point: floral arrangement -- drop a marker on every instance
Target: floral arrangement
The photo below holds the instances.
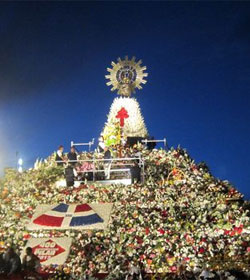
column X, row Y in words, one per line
column 180, row 218
column 112, row 134
column 134, row 125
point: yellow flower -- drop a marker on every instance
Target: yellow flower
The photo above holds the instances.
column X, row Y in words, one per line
column 162, row 249
column 171, row 260
column 206, row 176
column 191, row 264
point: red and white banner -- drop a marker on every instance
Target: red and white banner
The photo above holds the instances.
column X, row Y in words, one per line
column 50, row 250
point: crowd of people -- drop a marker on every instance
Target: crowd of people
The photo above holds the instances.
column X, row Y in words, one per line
column 86, row 168
column 11, row 266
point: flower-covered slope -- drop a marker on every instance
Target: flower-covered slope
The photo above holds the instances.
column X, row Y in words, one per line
column 180, row 218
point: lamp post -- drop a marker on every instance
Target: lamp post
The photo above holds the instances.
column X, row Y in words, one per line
column 20, row 165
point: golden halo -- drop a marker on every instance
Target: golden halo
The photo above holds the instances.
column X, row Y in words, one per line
column 126, row 75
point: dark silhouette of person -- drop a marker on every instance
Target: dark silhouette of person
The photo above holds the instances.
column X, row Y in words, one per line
column 11, row 263
column 135, row 172
column 107, row 162
column 31, row 262
column 60, row 156
column 69, row 176
column 72, row 155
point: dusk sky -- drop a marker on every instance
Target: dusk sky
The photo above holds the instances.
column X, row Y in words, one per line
column 53, row 59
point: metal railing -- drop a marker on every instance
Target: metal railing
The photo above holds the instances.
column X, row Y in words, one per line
column 164, row 141
column 90, row 143
column 95, row 161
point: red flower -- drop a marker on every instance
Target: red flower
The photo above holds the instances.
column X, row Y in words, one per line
column 26, row 236
column 161, row 231
column 147, row 230
column 244, row 243
column 139, row 240
column 239, row 229
column 175, row 171
column 232, row 233
column 164, row 213
column 201, row 250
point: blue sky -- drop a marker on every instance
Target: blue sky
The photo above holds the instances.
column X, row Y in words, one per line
column 53, row 59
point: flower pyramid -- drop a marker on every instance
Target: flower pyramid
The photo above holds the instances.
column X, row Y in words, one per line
column 180, row 218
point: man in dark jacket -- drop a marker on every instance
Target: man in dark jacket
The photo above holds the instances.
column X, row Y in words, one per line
column 69, row 176
column 135, row 171
column 72, row 156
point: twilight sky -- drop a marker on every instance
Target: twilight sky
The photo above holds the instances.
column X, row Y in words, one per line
column 53, row 59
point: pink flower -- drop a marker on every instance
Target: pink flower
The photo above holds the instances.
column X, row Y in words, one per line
column 142, row 257
column 97, row 248
column 173, row 268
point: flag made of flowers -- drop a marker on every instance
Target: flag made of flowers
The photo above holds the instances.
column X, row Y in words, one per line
column 71, row 216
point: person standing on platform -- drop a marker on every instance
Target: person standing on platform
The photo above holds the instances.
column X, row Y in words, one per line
column 135, row 171
column 69, row 176
column 72, row 156
column 60, row 156
column 101, row 145
column 107, row 163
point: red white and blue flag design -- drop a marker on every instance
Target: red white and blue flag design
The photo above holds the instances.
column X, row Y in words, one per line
column 66, row 215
